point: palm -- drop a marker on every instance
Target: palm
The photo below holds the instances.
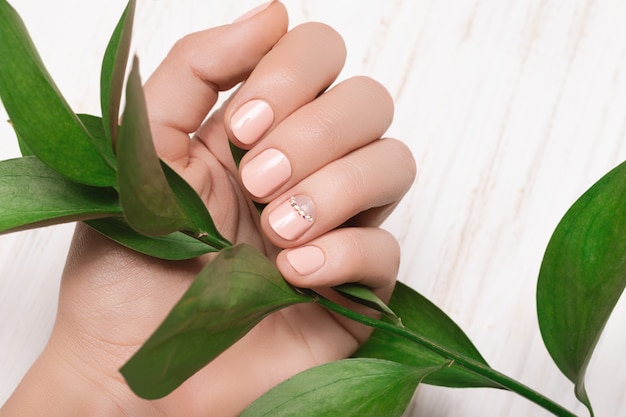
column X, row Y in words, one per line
column 123, row 296
column 112, row 299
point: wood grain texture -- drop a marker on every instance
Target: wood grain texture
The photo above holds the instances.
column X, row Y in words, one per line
column 512, row 109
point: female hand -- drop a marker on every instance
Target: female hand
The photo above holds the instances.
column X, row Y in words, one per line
column 320, row 152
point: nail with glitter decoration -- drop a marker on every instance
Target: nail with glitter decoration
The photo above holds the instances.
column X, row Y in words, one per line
column 293, row 217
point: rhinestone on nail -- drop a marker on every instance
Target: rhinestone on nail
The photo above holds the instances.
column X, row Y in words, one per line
column 301, row 207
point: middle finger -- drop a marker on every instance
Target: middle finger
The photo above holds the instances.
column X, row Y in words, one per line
column 373, row 177
column 347, row 117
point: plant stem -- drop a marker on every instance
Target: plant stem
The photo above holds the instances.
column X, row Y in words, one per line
column 457, row 360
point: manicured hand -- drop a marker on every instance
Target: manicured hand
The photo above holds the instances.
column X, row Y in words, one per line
column 315, row 157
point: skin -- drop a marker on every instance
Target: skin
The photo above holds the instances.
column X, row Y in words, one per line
column 112, row 299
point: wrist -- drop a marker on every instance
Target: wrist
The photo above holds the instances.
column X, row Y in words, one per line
column 61, row 384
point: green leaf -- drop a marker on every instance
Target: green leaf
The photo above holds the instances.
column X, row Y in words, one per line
column 113, row 72
column 39, row 113
column 94, row 126
column 351, row 387
column 174, row 246
column 428, row 321
column 583, row 274
column 24, row 150
column 195, row 209
column 363, row 295
column 33, row 195
column 237, row 153
column 149, row 204
column 229, row 297
column 156, row 200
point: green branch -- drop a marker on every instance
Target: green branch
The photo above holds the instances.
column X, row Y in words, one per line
column 457, row 360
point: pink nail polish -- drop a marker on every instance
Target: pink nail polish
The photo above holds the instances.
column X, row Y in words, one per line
column 252, row 12
column 293, row 217
column 251, row 121
column 266, row 172
column 306, row 260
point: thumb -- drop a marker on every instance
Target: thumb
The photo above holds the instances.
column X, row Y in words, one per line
column 184, row 87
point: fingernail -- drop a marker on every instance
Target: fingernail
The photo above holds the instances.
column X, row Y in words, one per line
column 306, row 260
column 252, row 12
column 251, row 121
column 266, row 172
column 293, row 217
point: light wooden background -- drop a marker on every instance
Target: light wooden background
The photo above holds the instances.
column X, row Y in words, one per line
column 512, row 109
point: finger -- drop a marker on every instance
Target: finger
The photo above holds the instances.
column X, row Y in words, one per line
column 184, row 88
column 301, row 65
column 371, row 178
column 347, row 117
column 368, row 256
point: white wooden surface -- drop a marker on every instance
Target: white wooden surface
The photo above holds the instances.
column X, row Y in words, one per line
column 512, row 108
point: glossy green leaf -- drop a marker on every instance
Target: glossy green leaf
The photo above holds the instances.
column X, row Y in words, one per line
column 229, row 297
column 39, row 113
column 351, row 387
column 195, row 209
column 428, row 321
column 33, row 195
column 365, row 296
column 174, row 246
column 95, row 127
column 113, row 72
column 582, row 275
column 24, row 150
column 149, row 204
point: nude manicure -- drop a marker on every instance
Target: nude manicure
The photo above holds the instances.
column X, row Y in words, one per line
column 306, row 260
column 252, row 12
column 266, row 172
column 251, row 121
column 293, row 217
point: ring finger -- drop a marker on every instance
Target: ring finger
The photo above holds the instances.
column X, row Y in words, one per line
column 373, row 177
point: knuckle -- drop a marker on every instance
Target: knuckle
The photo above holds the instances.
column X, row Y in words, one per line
column 190, row 51
column 378, row 254
column 354, row 180
column 324, row 124
column 184, row 46
column 403, row 155
column 324, row 35
column 185, row 50
column 376, row 92
column 391, row 246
